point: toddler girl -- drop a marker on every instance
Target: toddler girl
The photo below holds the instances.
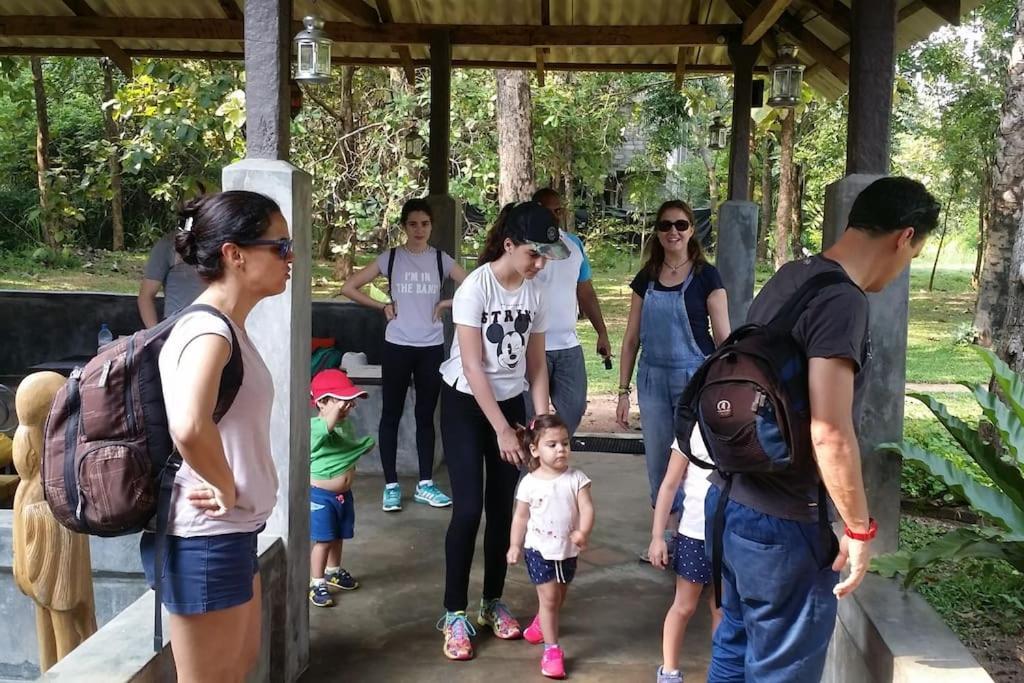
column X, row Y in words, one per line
column 555, row 515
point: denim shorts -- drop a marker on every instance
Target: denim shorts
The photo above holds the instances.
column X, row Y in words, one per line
column 543, row 571
column 203, row 573
column 332, row 516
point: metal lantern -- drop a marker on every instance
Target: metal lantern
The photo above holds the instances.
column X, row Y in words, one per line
column 413, row 145
column 312, row 52
column 787, row 77
column 718, row 134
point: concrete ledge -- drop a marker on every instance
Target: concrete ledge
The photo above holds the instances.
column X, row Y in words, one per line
column 122, row 650
column 887, row 634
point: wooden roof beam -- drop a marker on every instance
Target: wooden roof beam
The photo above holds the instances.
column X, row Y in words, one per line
column 109, row 48
column 835, row 13
column 545, row 20
column 388, row 34
column 681, row 66
column 403, row 52
column 761, row 19
column 356, row 11
column 540, row 66
column 949, row 10
column 231, row 9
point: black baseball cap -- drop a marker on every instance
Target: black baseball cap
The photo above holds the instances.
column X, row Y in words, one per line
column 530, row 223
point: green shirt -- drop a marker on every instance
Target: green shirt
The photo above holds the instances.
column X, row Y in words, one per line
column 334, row 452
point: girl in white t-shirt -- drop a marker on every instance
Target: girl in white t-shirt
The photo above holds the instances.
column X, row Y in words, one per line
column 693, row 571
column 554, row 516
column 500, row 320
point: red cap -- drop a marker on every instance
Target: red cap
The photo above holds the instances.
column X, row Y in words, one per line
column 334, row 383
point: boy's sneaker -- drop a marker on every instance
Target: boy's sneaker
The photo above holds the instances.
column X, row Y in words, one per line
column 552, row 664
column 392, row 498
column 320, row 596
column 431, row 495
column 533, row 634
column 457, row 630
column 341, row 580
column 497, row 616
column 663, row 677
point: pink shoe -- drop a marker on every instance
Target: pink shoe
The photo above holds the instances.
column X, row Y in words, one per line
column 533, row 634
column 552, row 664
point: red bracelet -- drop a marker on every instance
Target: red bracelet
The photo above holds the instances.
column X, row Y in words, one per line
column 871, row 532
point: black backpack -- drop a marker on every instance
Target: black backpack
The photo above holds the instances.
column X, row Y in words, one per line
column 750, row 400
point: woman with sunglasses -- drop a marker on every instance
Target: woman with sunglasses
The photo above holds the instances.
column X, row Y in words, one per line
column 413, row 345
column 227, row 485
column 675, row 294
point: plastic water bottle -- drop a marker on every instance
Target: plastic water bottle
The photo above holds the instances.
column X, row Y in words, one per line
column 105, row 336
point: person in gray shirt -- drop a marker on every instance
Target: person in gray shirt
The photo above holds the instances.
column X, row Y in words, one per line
column 165, row 269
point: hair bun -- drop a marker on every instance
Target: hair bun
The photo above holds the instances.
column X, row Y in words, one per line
column 185, row 245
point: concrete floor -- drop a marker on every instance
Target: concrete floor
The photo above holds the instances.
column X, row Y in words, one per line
column 611, row 624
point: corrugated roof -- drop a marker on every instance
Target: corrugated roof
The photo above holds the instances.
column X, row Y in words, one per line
column 153, row 35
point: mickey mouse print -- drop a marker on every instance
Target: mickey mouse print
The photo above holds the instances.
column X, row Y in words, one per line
column 509, row 346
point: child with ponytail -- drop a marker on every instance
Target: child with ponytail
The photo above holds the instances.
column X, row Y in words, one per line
column 553, row 518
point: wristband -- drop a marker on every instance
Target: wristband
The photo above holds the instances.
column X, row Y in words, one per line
column 871, row 532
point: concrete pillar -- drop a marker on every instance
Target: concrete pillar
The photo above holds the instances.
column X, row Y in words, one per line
column 881, row 418
column 736, row 250
column 268, row 38
column 872, row 69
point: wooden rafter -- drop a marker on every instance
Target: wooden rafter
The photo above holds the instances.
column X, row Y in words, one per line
column 762, row 18
column 231, row 9
column 949, row 10
column 545, row 20
column 834, row 12
column 387, row 34
column 403, row 52
column 356, row 11
column 681, row 66
column 109, row 48
column 540, row 66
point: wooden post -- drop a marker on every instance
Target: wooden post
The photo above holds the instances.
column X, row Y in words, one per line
column 872, row 69
column 743, row 58
column 268, row 36
column 440, row 110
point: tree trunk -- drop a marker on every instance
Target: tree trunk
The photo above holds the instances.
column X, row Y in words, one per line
column 114, row 162
column 42, row 153
column 999, row 292
column 345, row 126
column 942, row 240
column 787, row 190
column 568, row 205
column 515, row 136
column 767, row 188
column 983, row 218
column 708, row 157
column 797, row 233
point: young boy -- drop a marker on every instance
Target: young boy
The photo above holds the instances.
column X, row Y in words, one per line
column 334, row 450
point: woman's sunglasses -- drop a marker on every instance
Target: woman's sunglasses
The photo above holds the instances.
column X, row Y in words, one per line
column 682, row 225
column 284, row 245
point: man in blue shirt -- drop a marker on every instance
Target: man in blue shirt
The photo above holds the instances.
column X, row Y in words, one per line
column 567, row 283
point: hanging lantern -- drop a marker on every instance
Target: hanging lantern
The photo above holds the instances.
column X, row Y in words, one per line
column 718, row 134
column 312, row 52
column 787, row 77
column 413, row 145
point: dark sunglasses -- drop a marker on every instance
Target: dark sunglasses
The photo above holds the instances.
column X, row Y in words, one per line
column 284, row 245
column 682, row 225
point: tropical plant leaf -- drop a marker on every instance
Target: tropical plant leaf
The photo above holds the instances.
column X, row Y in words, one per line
column 1009, row 381
column 1011, row 429
column 989, row 501
column 1005, row 476
column 956, row 545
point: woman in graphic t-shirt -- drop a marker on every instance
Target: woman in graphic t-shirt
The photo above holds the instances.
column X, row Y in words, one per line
column 675, row 295
column 413, row 345
column 500, row 320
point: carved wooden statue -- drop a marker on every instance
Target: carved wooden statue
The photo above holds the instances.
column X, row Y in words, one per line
column 51, row 564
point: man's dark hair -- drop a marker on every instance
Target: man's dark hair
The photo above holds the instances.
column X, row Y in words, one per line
column 546, row 193
column 894, row 203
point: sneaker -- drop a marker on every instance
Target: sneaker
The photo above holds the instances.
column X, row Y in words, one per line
column 457, row 630
column 552, row 664
column 431, row 495
column 497, row 616
column 392, row 498
column 663, row 677
column 341, row 580
column 533, row 634
column 320, row 596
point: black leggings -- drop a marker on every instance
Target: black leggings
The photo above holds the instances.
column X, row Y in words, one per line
column 398, row 364
column 470, row 447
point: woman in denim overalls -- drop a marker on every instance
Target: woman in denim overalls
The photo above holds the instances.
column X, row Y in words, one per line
column 675, row 294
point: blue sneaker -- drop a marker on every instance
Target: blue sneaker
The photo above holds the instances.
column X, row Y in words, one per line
column 431, row 495
column 342, row 580
column 320, row 596
column 392, row 498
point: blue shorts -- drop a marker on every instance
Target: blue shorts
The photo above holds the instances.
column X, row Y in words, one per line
column 332, row 516
column 689, row 560
column 203, row 573
column 546, row 571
